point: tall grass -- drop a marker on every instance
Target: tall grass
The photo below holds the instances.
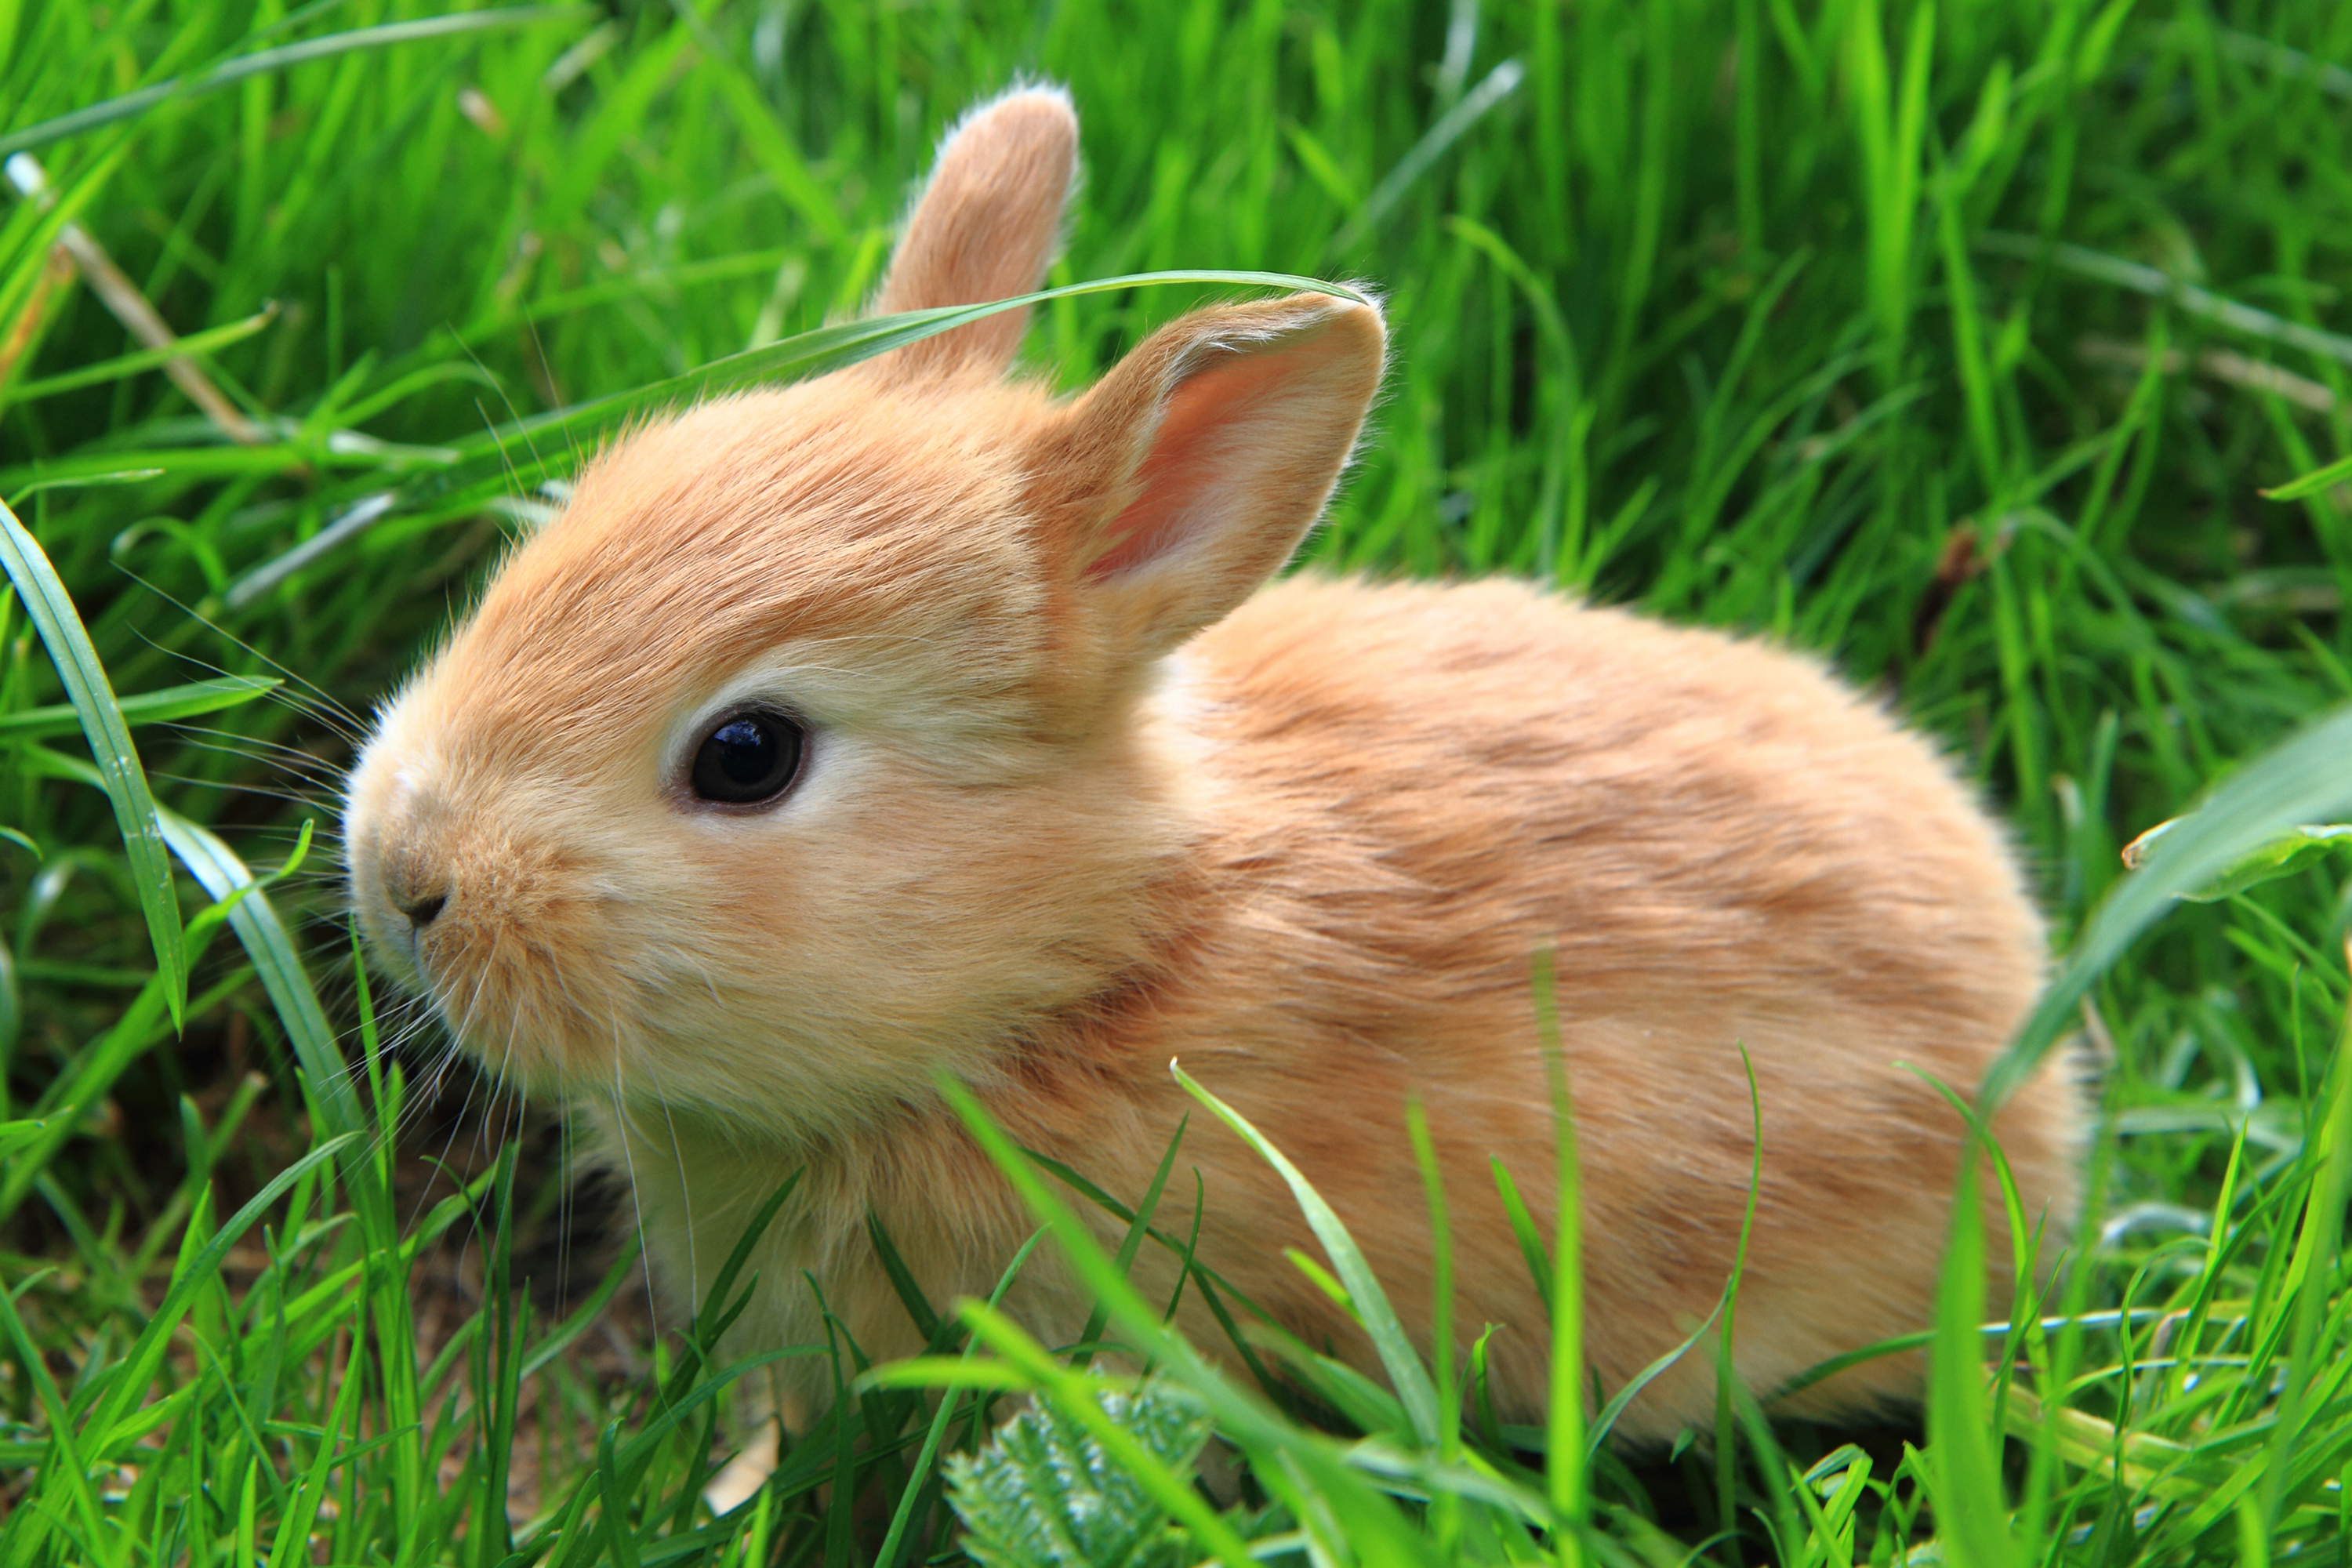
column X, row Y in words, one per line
column 1955, row 342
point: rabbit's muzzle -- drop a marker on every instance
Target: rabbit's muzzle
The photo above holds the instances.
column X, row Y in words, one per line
column 488, row 921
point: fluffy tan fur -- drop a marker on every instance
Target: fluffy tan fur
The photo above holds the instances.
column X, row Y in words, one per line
column 1081, row 797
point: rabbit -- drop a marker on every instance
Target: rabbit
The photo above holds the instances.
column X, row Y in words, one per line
column 911, row 720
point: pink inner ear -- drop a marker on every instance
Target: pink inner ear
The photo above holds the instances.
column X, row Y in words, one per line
column 1200, row 454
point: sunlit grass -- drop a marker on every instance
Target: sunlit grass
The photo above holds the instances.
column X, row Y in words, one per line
column 1955, row 342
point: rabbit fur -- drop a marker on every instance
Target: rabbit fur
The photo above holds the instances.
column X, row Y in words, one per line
column 1083, row 794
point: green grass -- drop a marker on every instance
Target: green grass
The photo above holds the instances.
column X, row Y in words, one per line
column 1954, row 341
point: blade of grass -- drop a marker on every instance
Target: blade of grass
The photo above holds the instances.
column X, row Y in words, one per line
column 133, row 363
column 67, row 1460
column 582, row 1317
column 1397, row 1356
column 160, row 706
column 902, row 1280
column 1498, row 85
column 2311, row 484
column 2143, row 279
column 51, row 610
column 943, row 1418
column 1564, row 1453
column 489, row 460
column 271, row 948
column 293, row 1541
column 1523, row 1229
column 1970, row 1510
column 131, row 104
column 2314, row 1271
column 1296, row 1466
column 193, row 1274
column 1131, row 1244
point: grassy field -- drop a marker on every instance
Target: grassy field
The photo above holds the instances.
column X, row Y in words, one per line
column 1957, row 343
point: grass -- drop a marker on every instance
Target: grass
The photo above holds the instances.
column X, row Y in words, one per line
column 1954, row 341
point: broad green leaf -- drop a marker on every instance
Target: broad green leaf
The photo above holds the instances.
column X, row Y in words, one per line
column 2303, row 780
column 2289, row 852
column 1076, row 1396
column 1043, row 1490
column 51, row 609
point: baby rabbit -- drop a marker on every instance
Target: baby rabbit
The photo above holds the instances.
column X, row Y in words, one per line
column 912, row 720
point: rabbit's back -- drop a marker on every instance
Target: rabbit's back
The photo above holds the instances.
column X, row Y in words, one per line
column 1652, row 800
column 1418, row 788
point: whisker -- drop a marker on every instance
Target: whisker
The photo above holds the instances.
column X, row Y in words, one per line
column 636, row 1198
column 325, row 700
column 213, row 737
column 678, row 1160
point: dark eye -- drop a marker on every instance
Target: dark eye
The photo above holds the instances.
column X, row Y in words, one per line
column 749, row 758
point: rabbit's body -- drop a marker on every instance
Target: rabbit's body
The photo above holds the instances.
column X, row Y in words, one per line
column 1050, row 798
column 1373, row 804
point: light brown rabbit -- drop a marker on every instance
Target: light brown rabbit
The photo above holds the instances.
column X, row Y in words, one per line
column 911, row 719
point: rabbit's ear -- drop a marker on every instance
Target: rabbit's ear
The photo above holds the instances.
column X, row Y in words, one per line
column 1190, row 473
column 986, row 227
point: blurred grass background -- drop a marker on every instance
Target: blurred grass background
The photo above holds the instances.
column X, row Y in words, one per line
column 1955, row 342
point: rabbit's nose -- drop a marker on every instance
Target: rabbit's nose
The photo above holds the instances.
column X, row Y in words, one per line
column 421, row 907
column 413, row 885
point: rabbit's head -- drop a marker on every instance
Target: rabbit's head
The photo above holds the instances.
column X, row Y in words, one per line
column 806, row 751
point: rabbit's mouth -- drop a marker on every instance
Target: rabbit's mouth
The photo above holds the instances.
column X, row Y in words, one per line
column 507, row 1033
column 529, row 1027
column 493, row 937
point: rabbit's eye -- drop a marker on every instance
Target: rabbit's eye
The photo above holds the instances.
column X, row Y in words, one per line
column 747, row 758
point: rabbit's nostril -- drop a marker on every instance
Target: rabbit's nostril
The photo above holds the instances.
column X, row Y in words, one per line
column 421, row 910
